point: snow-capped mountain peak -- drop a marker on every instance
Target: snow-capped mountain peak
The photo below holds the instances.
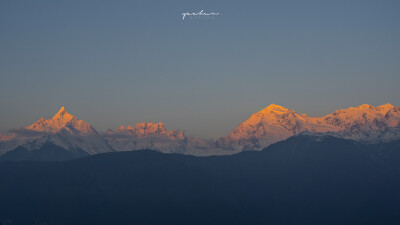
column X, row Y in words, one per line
column 274, row 108
column 364, row 123
column 63, row 130
column 147, row 129
column 62, row 121
column 155, row 136
column 63, row 115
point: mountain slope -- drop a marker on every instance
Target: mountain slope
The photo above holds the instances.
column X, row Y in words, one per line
column 62, row 130
column 303, row 180
column 62, row 122
column 47, row 152
column 365, row 123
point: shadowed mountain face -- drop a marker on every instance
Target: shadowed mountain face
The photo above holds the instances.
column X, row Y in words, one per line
column 303, row 180
column 48, row 152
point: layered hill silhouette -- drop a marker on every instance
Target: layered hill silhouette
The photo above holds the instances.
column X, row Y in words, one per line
column 305, row 179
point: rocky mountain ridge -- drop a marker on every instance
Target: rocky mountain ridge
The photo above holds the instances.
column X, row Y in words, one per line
column 364, row 124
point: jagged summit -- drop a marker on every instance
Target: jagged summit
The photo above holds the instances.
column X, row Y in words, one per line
column 364, row 110
column 63, row 130
column 62, row 121
column 62, row 110
column 364, row 123
column 63, row 116
column 155, row 136
column 145, row 129
column 368, row 106
column 62, row 113
column 364, row 106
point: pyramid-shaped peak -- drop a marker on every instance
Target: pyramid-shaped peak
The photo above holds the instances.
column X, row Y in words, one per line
column 62, row 121
column 62, row 113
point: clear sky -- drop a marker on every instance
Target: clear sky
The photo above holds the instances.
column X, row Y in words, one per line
column 115, row 63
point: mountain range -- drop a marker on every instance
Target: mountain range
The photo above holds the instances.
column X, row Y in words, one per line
column 365, row 124
column 66, row 135
column 290, row 168
column 155, row 136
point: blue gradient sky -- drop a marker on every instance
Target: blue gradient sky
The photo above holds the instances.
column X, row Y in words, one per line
column 115, row 63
